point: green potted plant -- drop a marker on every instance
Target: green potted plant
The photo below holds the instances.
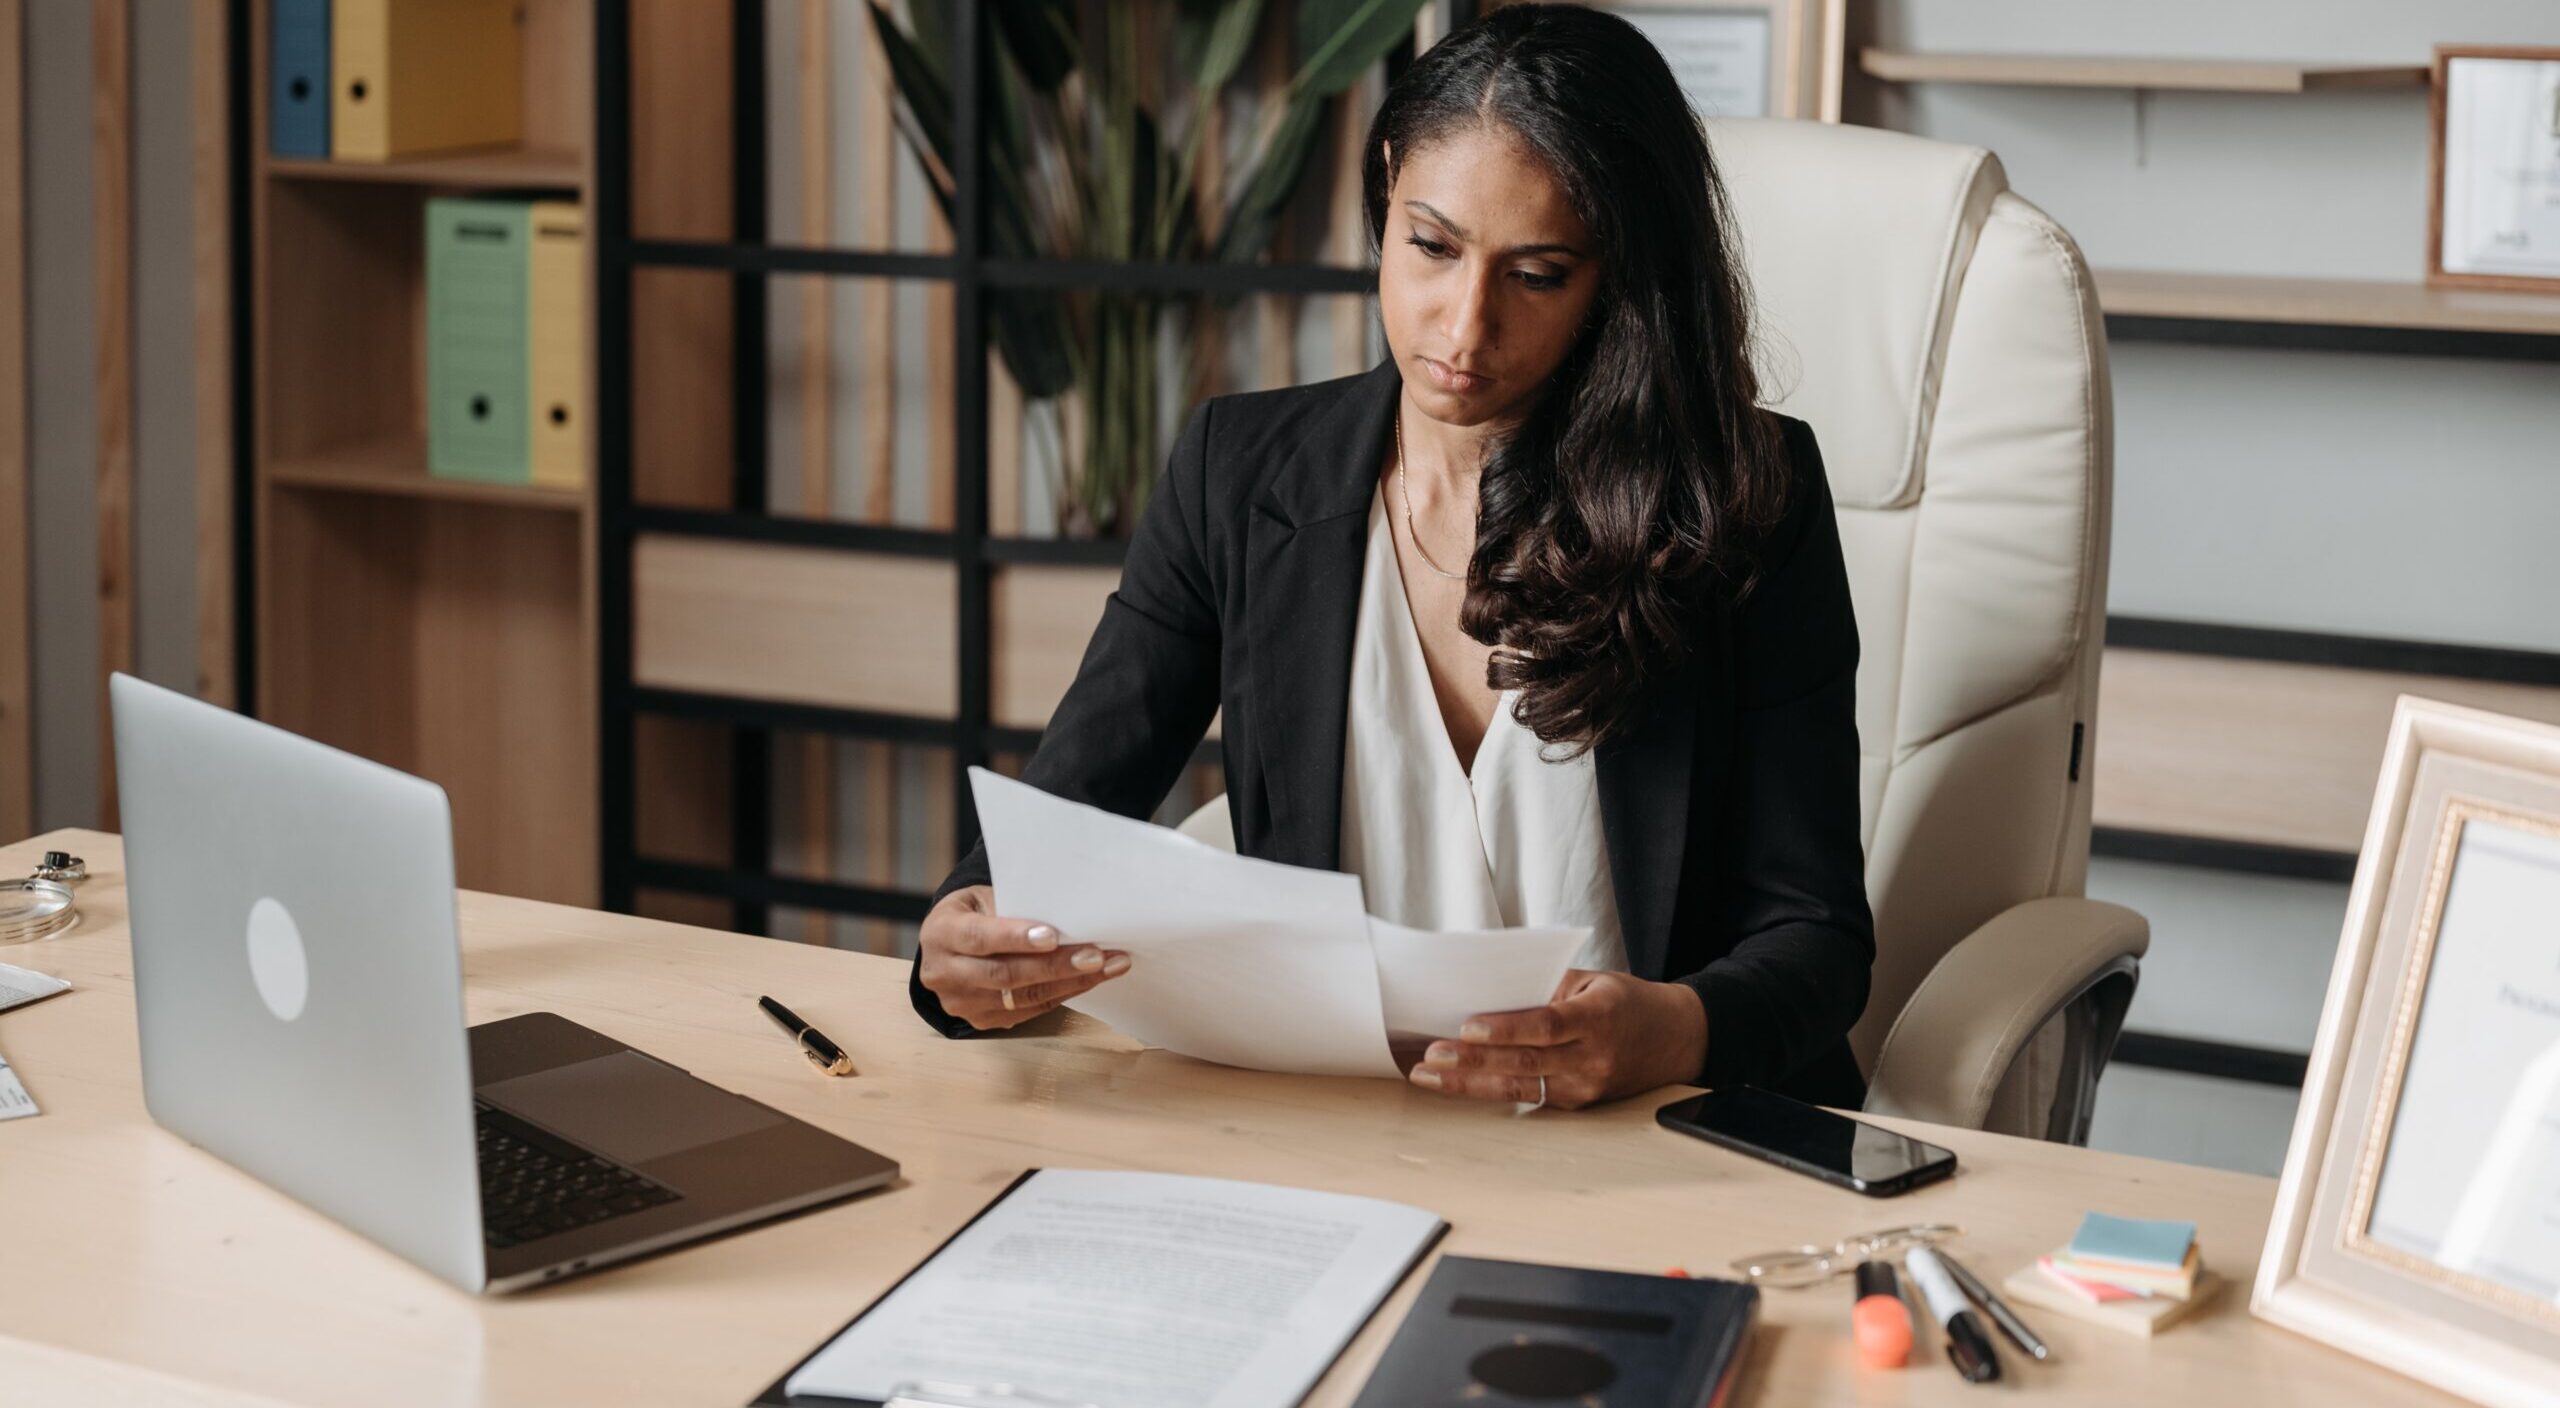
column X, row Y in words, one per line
column 1079, row 168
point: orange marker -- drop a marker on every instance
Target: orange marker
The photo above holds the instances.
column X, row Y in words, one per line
column 1880, row 1321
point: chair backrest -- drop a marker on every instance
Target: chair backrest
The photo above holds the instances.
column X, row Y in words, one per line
column 1942, row 338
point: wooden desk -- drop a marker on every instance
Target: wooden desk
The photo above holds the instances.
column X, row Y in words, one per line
column 138, row 1269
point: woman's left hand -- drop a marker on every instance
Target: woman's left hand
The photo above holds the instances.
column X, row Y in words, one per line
column 1602, row 1036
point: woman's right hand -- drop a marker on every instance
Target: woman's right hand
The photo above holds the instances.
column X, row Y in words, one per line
column 969, row 957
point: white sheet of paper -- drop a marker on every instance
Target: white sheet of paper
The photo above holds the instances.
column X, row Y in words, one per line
column 1137, row 1290
column 1240, row 961
column 1430, row 981
column 15, row 1103
column 19, row 986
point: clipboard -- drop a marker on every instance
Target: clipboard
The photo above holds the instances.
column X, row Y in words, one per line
column 776, row 1396
column 939, row 1395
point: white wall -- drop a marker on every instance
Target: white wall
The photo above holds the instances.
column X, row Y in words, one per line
column 2354, row 494
column 2361, row 495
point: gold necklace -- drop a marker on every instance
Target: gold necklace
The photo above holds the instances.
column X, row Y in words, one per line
column 1407, row 495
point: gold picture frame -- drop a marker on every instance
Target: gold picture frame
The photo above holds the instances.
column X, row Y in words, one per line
column 2387, row 1239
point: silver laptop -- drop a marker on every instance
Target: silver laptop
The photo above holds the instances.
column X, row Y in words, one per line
column 298, row 978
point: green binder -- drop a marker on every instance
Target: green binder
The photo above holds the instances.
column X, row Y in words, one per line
column 476, row 355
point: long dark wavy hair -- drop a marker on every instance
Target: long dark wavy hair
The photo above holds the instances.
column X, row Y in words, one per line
column 1625, row 497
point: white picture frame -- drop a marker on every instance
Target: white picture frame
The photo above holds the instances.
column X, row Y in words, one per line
column 2439, row 966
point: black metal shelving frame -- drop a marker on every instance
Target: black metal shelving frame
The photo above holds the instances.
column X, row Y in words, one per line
column 747, row 881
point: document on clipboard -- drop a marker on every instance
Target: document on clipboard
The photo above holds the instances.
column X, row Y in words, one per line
column 1131, row 1290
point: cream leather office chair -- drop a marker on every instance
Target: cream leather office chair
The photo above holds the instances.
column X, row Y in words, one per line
column 1943, row 339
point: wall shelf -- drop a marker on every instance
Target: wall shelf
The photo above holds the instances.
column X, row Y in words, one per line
column 2372, row 303
column 2091, row 71
column 497, row 168
column 397, row 465
column 2329, row 315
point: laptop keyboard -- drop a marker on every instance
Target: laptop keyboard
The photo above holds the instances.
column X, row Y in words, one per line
column 534, row 1185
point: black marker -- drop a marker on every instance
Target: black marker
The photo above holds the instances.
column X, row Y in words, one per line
column 1968, row 1348
column 2001, row 1315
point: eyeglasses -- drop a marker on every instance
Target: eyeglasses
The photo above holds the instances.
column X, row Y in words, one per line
column 1797, row 1267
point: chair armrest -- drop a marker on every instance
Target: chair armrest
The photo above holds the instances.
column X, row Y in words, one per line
column 1948, row 1052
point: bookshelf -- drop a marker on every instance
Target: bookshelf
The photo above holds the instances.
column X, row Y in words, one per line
column 443, row 627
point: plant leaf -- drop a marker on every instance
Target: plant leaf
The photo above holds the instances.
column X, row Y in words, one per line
column 1009, row 158
column 1145, row 168
column 1041, row 36
column 1028, row 324
column 932, row 35
column 1116, row 189
column 1210, row 38
column 1341, row 38
column 1256, row 211
column 923, row 88
column 1031, row 333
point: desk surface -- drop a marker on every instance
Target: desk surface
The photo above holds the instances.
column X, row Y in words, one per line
column 139, row 1269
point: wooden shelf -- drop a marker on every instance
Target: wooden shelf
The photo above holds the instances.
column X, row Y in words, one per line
column 2087, row 71
column 2369, row 303
column 2260, row 752
column 398, row 466
column 502, row 167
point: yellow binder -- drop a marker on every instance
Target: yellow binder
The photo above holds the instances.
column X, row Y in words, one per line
column 556, row 343
column 416, row 76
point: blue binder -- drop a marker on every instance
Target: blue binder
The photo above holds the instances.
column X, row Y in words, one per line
column 298, row 78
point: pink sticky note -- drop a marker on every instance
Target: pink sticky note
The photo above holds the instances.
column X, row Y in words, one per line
column 2096, row 1291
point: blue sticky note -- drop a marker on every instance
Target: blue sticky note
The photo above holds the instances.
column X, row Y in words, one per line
column 2139, row 1241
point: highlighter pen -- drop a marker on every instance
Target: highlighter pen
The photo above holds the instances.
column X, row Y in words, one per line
column 2001, row 1315
column 1968, row 1348
column 1880, row 1322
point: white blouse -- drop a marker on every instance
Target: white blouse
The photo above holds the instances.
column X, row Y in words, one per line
column 1517, row 842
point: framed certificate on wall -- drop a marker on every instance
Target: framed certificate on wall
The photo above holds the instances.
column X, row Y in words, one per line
column 2418, row 1223
column 2493, row 213
column 1748, row 58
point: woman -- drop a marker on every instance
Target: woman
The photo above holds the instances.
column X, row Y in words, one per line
column 1543, row 620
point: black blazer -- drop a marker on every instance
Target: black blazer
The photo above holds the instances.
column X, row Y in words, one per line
column 1730, row 809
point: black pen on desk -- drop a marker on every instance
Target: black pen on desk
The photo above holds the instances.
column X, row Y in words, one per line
column 2001, row 1315
column 1968, row 1348
column 822, row 1053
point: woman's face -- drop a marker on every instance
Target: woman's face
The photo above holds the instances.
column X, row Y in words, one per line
column 1484, row 275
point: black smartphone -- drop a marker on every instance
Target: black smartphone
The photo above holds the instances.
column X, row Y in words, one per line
column 1810, row 1140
